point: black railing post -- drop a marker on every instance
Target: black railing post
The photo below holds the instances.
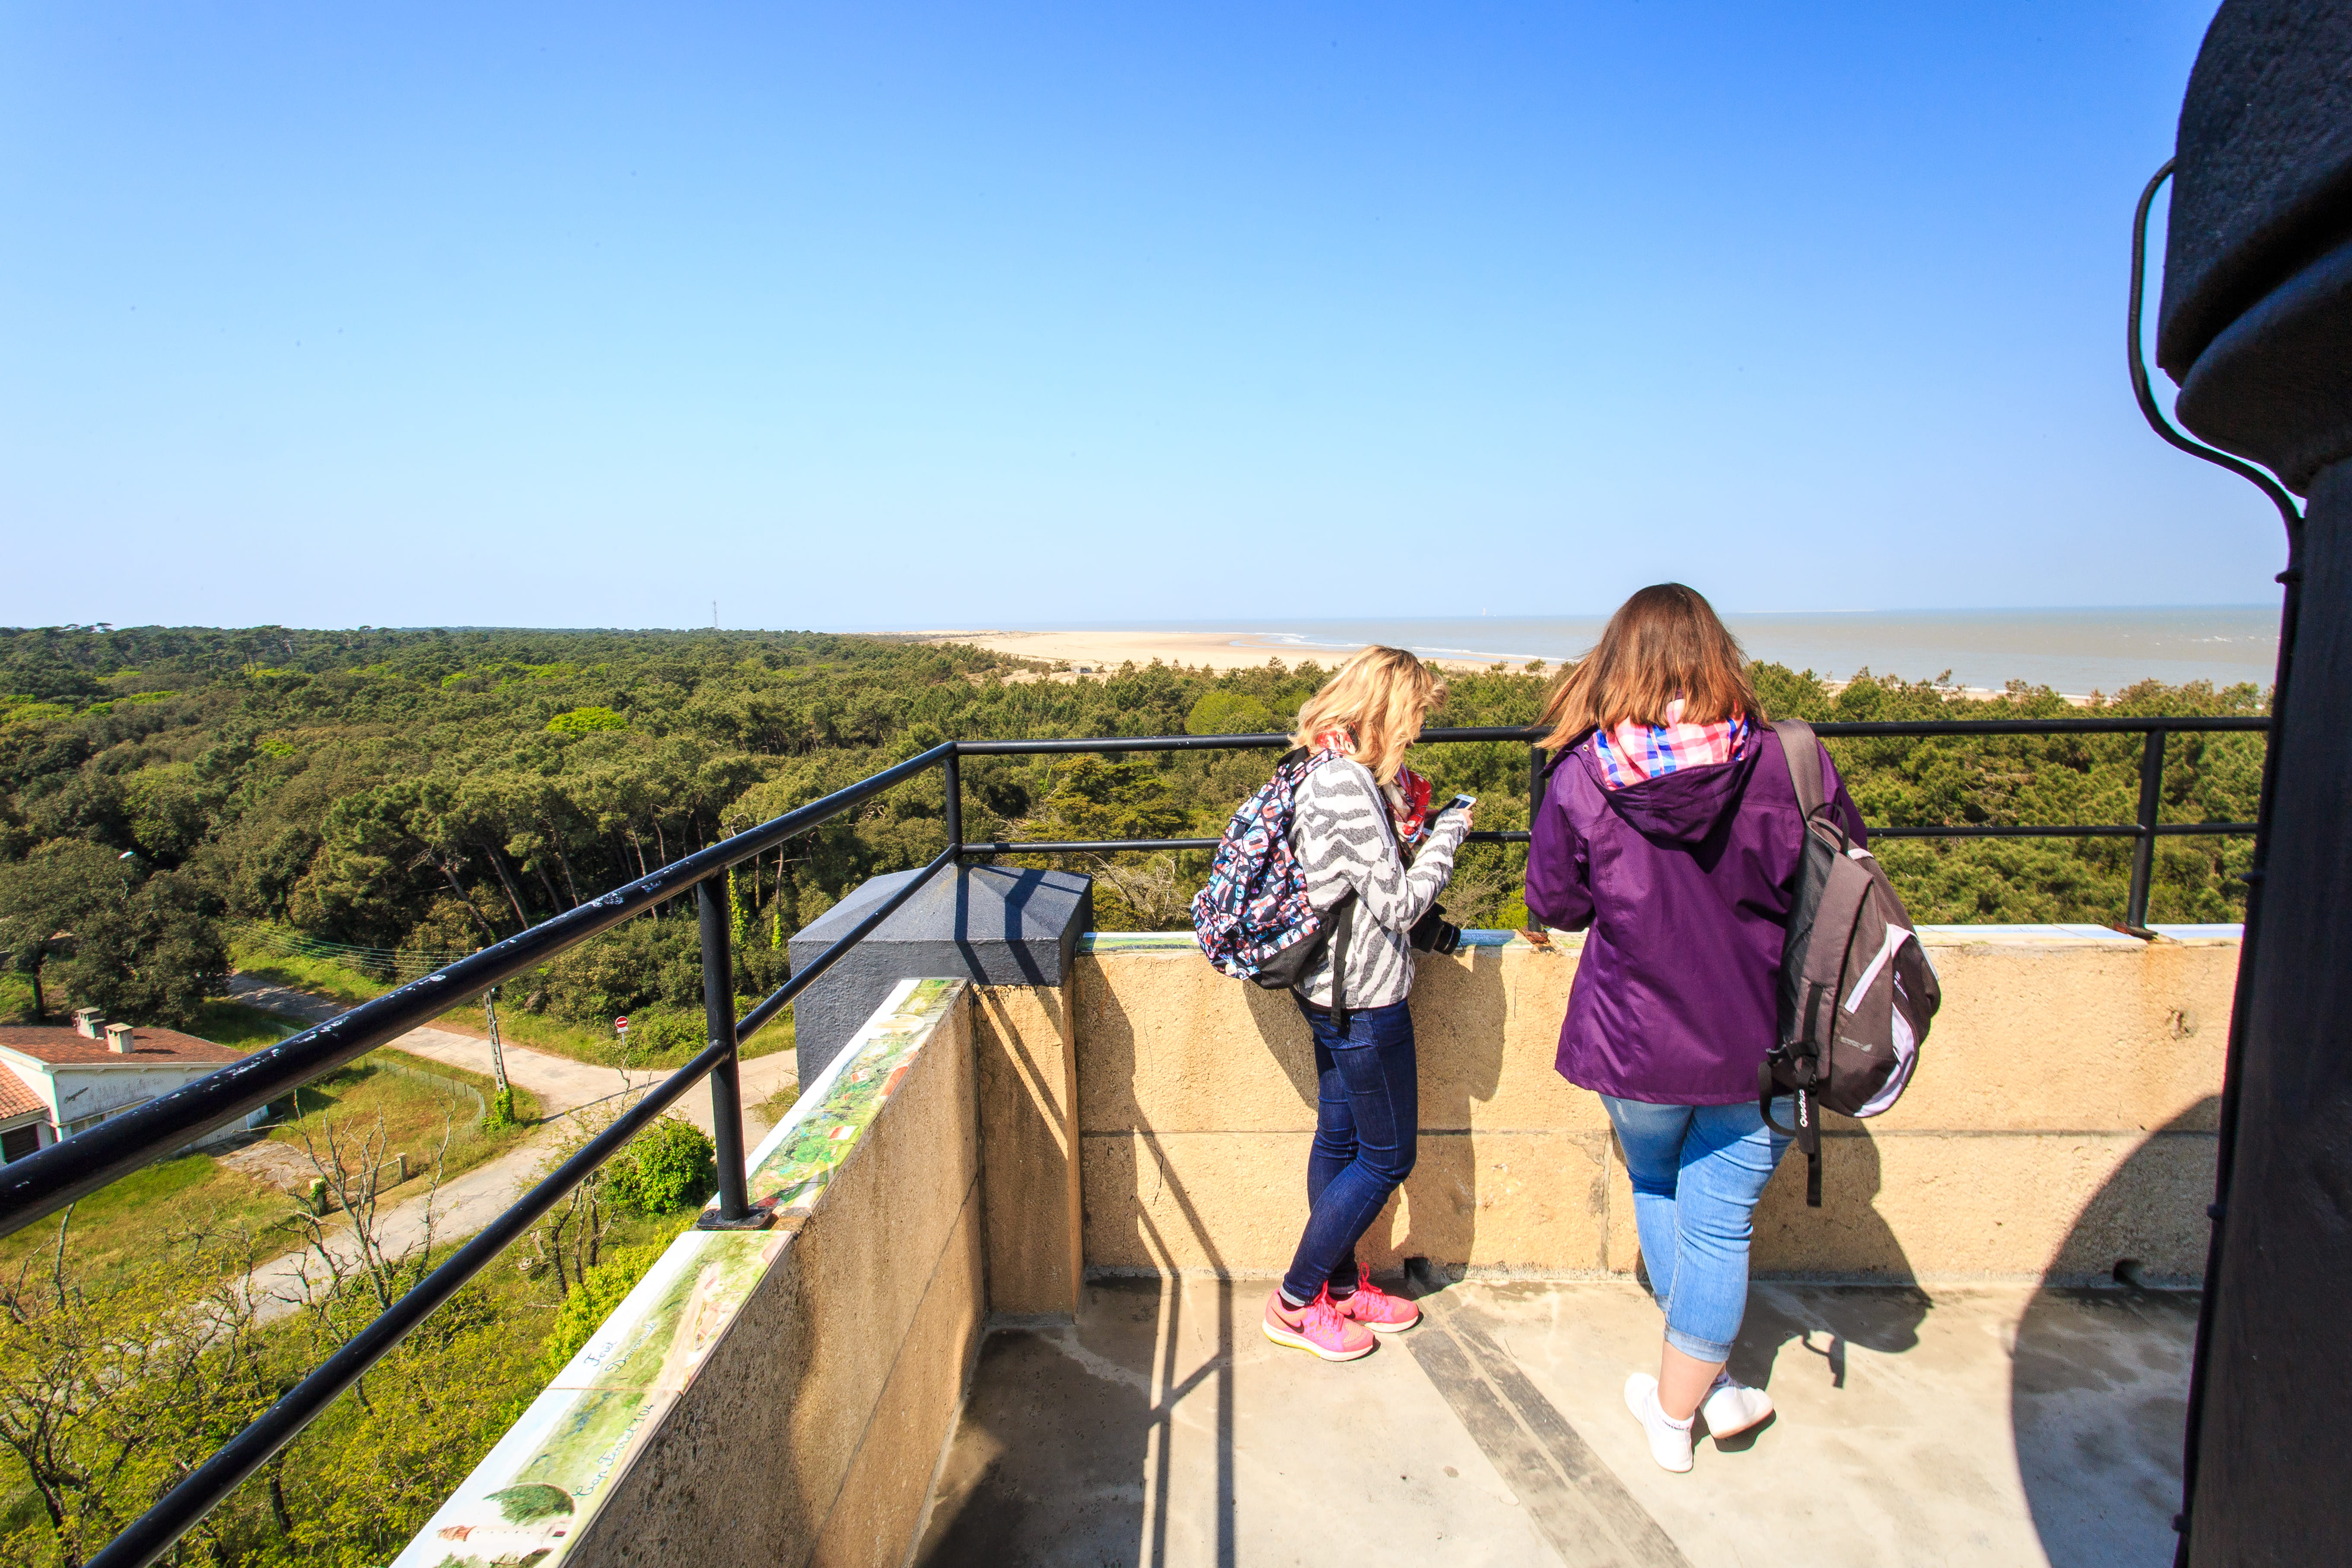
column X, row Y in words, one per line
column 951, row 787
column 2151, row 797
column 734, row 1211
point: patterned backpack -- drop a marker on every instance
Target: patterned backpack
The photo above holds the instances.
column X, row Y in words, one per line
column 1252, row 918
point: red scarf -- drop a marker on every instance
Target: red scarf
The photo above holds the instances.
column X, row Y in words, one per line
column 1407, row 796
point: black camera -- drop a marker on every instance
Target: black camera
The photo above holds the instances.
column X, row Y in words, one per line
column 1434, row 934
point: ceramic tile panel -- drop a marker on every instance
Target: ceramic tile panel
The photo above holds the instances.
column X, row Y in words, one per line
column 1138, row 942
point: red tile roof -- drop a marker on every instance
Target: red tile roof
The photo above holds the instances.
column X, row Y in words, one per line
column 60, row 1046
column 16, row 1097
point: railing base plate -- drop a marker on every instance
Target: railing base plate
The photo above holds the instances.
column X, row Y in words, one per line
column 711, row 1219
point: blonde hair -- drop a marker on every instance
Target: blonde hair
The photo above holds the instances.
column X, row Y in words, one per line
column 1379, row 697
column 1663, row 644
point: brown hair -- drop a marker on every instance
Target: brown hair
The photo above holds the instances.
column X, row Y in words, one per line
column 1381, row 697
column 1664, row 643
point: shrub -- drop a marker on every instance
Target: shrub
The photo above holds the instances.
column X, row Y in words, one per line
column 657, row 1034
column 586, row 721
column 1229, row 713
column 589, row 1304
column 629, row 970
column 667, row 1167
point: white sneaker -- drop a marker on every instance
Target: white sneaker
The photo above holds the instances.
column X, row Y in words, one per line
column 1731, row 1408
column 1670, row 1442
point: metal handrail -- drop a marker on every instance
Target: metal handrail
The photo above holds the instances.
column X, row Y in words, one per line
column 2145, row 828
column 2225, row 1141
column 73, row 1167
column 42, row 1182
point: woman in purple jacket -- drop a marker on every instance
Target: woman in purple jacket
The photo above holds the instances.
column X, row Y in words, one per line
column 1670, row 832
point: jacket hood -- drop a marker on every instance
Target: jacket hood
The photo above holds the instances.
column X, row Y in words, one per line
column 1684, row 806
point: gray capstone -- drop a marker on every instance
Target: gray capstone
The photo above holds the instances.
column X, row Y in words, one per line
column 996, row 925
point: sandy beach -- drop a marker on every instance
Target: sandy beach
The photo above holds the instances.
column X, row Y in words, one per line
column 1101, row 653
column 1096, row 652
column 2074, row 652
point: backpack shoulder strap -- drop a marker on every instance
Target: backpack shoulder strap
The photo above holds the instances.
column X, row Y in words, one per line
column 1803, row 750
column 1343, row 931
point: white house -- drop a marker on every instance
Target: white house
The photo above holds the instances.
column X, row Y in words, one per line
column 59, row 1079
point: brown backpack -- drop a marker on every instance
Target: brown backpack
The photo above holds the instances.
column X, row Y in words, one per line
column 1856, row 990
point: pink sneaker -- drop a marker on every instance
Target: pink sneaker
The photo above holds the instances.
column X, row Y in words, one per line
column 1376, row 1308
column 1316, row 1327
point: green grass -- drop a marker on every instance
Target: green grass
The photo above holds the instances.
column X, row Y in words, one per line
column 129, row 1219
column 399, row 1090
column 415, row 1111
column 582, row 1043
column 236, row 1025
column 319, row 976
column 772, row 1109
column 16, row 998
column 579, row 1042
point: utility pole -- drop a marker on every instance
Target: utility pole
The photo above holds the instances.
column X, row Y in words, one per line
column 498, row 1056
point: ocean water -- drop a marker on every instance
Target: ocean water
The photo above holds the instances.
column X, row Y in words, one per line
column 2074, row 651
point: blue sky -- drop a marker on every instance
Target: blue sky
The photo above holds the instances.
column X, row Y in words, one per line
column 869, row 316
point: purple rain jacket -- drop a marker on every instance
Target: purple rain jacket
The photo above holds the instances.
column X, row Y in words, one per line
column 1685, row 882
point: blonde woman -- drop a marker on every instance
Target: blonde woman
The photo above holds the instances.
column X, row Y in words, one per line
column 1356, row 812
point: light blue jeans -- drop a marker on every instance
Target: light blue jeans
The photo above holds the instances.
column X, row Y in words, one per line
column 1697, row 1171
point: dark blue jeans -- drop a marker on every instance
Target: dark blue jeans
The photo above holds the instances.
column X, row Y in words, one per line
column 1367, row 1121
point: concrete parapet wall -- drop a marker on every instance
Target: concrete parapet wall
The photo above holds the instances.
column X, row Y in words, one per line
column 1027, row 1071
column 2062, row 1119
column 777, row 1396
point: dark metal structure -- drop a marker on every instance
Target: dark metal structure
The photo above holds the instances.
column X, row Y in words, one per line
column 43, row 1183
column 2256, row 329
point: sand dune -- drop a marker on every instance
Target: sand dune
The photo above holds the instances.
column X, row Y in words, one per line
column 1107, row 650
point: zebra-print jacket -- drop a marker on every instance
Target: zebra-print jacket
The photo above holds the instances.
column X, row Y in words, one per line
column 1344, row 840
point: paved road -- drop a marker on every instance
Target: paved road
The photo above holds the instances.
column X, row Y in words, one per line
column 467, row 1203
column 560, row 1083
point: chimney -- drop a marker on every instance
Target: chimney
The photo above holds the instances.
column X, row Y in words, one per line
column 86, row 1023
column 118, row 1039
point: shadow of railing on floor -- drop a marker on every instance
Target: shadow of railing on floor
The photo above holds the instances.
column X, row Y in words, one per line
column 1015, row 1489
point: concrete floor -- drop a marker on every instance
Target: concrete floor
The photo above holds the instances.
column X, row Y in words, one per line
column 1979, row 1425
